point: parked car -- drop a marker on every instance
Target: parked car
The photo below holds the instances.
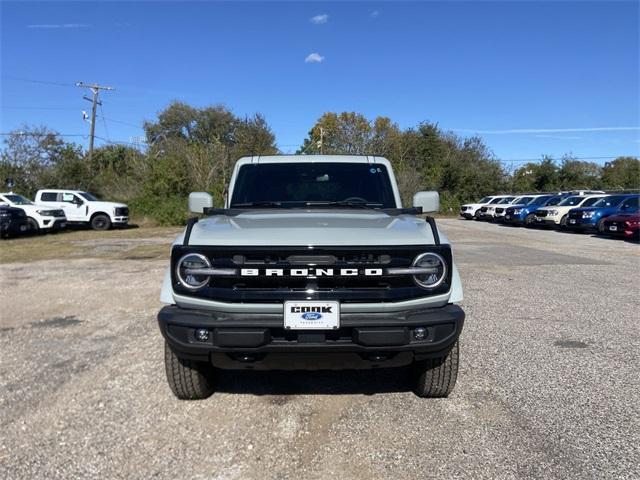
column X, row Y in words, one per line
column 592, row 218
column 469, row 210
column 487, row 212
column 84, row 208
column 40, row 218
column 13, row 221
column 500, row 210
column 557, row 216
column 624, row 225
column 523, row 214
column 334, row 274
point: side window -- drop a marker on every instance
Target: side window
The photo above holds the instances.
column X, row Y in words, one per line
column 49, row 196
column 69, row 197
column 631, row 204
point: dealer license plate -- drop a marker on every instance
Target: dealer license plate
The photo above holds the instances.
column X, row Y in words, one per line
column 613, row 228
column 572, row 220
column 312, row 315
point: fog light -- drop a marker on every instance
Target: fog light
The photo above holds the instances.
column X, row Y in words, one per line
column 420, row 333
column 202, row 335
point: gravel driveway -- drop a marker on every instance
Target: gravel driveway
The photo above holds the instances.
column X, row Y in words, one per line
column 549, row 384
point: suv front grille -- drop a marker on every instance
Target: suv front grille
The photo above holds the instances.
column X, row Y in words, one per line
column 541, row 213
column 352, row 288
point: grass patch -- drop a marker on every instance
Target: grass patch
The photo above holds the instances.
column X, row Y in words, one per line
column 126, row 244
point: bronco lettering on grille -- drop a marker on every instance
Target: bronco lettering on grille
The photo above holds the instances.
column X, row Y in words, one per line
column 306, row 272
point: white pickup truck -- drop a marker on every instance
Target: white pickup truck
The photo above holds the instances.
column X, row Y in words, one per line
column 84, row 208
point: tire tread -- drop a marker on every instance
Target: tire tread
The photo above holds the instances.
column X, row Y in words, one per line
column 187, row 379
column 436, row 377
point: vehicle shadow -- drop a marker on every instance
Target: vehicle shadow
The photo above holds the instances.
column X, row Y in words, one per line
column 321, row 382
column 616, row 239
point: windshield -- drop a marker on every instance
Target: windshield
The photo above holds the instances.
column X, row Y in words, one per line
column 88, row 196
column 571, row 201
column 611, row 201
column 552, row 201
column 523, row 200
column 296, row 184
column 18, row 199
column 484, row 200
column 496, row 200
column 591, row 201
column 538, row 200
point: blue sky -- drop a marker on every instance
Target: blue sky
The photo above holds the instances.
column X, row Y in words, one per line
column 531, row 78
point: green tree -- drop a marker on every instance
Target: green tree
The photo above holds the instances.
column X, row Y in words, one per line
column 622, row 173
column 575, row 174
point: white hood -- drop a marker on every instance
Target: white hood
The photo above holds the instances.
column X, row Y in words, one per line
column 312, row 227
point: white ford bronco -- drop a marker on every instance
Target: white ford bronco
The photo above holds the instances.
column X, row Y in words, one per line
column 84, row 208
column 312, row 264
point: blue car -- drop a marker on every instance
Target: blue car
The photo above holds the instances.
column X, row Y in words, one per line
column 592, row 218
column 525, row 214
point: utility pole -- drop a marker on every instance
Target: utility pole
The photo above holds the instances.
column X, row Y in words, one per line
column 95, row 89
column 321, row 140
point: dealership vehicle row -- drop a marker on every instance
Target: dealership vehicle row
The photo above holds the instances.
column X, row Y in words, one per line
column 53, row 210
column 611, row 214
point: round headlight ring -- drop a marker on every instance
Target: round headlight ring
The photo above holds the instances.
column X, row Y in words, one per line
column 195, row 282
column 433, row 256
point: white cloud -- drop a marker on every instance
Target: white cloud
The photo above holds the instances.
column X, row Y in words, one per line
column 374, row 14
column 60, row 25
column 320, row 19
column 547, row 130
column 314, row 58
column 559, row 137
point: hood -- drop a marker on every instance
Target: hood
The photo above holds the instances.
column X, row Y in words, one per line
column 312, row 227
column 105, row 205
column 621, row 217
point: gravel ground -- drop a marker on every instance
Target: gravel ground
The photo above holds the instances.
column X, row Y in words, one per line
column 548, row 387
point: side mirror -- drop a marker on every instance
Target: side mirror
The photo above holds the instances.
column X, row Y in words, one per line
column 198, row 201
column 429, row 201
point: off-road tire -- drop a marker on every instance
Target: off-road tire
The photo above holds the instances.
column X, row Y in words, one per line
column 187, row 379
column 33, row 225
column 100, row 222
column 436, row 377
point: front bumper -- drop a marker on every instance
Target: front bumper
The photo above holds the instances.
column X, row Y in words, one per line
column 364, row 340
column 54, row 223
column 580, row 225
column 466, row 214
column 512, row 219
column 120, row 220
column 14, row 227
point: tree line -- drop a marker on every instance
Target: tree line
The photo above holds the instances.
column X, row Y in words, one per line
column 194, row 149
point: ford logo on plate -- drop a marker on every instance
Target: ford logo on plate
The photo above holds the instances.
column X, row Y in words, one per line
column 311, row 316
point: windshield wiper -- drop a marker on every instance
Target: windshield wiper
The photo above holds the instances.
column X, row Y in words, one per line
column 257, row 204
column 369, row 205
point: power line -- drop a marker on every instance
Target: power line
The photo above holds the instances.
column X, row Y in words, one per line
column 104, row 122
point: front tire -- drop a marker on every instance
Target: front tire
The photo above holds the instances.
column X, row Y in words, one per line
column 529, row 220
column 436, row 377
column 563, row 222
column 187, row 379
column 100, row 222
column 600, row 226
column 33, row 225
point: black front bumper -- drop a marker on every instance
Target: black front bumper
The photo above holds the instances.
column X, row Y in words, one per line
column 364, row 340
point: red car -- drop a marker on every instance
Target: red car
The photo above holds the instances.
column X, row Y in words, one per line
column 626, row 225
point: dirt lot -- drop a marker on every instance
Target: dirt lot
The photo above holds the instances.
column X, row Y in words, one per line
column 548, row 388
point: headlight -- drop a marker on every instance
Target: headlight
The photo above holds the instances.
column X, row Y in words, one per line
column 437, row 270
column 588, row 214
column 4, row 214
column 552, row 213
column 517, row 211
column 46, row 213
column 192, row 261
column 633, row 223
